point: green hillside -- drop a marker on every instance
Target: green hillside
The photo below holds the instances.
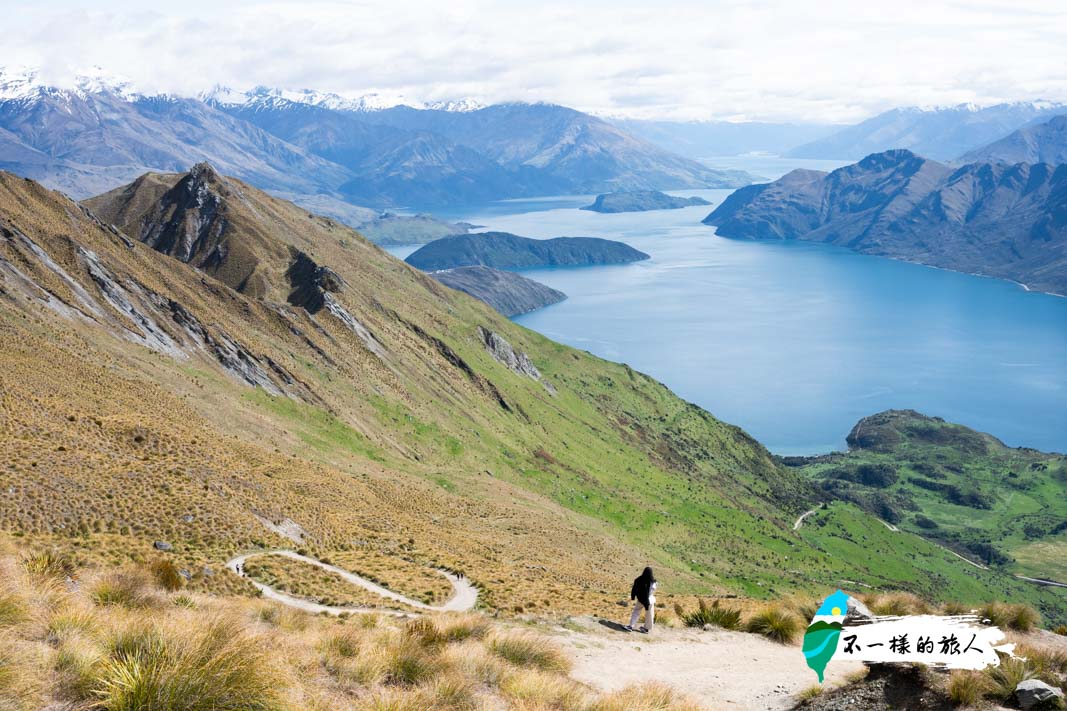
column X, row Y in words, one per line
column 997, row 505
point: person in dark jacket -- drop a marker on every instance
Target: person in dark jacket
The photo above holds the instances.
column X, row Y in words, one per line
column 644, row 592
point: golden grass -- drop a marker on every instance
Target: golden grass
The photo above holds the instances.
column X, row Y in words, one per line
column 1021, row 618
column 120, row 641
column 313, row 583
column 526, row 650
column 896, row 603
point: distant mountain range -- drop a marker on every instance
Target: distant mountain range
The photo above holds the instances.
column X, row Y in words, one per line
column 1039, row 143
column 941, row 133
column 1007, row 221
column 325, row 151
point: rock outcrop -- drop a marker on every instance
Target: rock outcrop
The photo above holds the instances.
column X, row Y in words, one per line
column 515, row 361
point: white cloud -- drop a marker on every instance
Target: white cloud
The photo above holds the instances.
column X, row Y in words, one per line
column 761, row 59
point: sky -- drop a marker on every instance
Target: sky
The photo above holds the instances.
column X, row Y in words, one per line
column 773, row 60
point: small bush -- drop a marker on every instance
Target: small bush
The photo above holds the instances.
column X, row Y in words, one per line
column 166, row 574
column 524, row 650
column 967, row 688
column 775, row 623
column 1062, row 629
column 714, row 614
column 1018, row 617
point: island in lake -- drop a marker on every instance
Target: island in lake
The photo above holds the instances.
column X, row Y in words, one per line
column 503, row 250
column 509, row 293
column 641, row 201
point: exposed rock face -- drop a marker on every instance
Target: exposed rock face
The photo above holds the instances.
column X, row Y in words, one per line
column 189, row 221
column 503, row 250
column 641, row 201
column 516, row 361
column 1007, row 221
column 311, row 282
column 232, row 356
column 1034, row 693
column 509, row 293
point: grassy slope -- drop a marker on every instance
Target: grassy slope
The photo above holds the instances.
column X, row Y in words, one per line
column 552, row 501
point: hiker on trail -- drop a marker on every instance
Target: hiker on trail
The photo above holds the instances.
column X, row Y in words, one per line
column 644, row 592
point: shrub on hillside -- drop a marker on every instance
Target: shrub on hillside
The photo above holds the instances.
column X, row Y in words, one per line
column 166, row 574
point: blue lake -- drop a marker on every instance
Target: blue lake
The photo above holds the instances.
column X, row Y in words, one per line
column 795, row 342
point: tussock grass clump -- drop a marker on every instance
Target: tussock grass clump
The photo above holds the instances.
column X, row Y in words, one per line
column 967, row 688
column 1018, row 617
column 775, row 623
column 21, row 677
column 214, row 666
column 408, row 662
column 714, row 614
column 1045, row 661
column 538, row 689
column 124, row 588
column 810, row 692
column 528, row 651
column 49, row 563
column 12, row 608
column 166, row 574
column 456, row 628
column 956, row 608
column 897, row 603
column 71, row 619
column 1002, row 679
column 1062, row 629
column 645, row 697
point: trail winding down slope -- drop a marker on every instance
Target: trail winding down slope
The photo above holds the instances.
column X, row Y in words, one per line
column 464, row 598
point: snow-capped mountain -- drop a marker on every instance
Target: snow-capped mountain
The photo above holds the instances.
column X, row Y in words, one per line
column 939, row 132
column 26, row 84
column 87, row 134
column 263, row 97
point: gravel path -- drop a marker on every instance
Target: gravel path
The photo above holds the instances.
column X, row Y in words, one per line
column 464, row 597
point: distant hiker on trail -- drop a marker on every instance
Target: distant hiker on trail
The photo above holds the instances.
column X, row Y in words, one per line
column 644, row 592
